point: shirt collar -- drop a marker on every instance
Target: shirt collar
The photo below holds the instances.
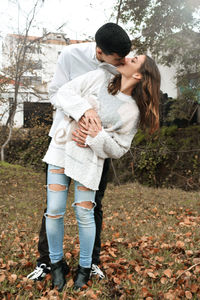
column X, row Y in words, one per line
column 110, row 68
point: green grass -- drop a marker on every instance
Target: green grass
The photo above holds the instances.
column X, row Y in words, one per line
column 145, row 232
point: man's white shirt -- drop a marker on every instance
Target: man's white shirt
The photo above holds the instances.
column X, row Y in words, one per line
column 74, row 60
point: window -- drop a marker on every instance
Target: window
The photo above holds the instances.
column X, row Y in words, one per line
column 31, row 80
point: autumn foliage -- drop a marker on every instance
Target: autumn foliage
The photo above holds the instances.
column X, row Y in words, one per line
column 150, row 241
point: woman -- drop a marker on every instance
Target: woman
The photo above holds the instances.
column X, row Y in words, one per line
column 130, row 98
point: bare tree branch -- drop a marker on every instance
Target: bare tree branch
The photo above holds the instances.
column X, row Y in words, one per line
column 118, row 11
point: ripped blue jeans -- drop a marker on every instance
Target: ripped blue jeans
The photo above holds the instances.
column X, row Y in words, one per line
column 57, row 192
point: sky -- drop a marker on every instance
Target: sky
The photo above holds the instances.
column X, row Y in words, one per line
column 81, row 17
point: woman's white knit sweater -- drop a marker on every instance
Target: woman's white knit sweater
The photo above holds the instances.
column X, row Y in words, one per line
column 119, row 115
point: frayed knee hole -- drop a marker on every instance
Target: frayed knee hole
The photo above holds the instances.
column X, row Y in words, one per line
column 54, row 217
column 86, row 204
column 57, row 187
column 83, row 188
column 57, row 171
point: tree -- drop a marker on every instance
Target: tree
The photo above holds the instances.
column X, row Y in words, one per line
column 19, row 63
column 170, row 30
column 21, row 68
column 159, row 25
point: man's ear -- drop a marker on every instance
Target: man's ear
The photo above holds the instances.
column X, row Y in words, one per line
column 99, row 51
column 137, row 76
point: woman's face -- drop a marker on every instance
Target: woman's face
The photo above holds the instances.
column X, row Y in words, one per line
column 131, row 65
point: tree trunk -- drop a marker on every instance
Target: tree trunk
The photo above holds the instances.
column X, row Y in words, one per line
column 6, row 143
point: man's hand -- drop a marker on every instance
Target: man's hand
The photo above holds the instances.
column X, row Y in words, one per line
column 91, row 115
column 78, row 136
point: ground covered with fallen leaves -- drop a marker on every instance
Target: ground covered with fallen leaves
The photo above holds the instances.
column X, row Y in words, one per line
column 150, row 241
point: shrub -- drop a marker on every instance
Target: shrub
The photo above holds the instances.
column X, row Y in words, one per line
column 169, row 158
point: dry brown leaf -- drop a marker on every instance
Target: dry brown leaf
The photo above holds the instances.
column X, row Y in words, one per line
column 152, row 275
column 180, row 244
column 109, row 271
column 12, row 263
column 137, row 269
column 188, row 274
column 89, row 283
column 116, row 235
column 13, row 277
column 172, row 212
column 112, row 253
column 2, row 277
column 188, row 295
column 194, row 288
column 105, row 258
column 90, row 294
column 68, row 255
column 169, row 296
column 189, row 252
column 116, row 280
column 107, row 244
column 163, row 280
column 168, row 273
column 144, row 291
column 39, row 286
column 196, row 260
column 122, row 297
column 75, row 252
column 159, row 258
column 70, row 283
column 197, row 269
column 53, row 293
column 165, row 246
column 28, row 287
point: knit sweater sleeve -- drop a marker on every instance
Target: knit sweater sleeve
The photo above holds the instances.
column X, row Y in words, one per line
column 113, row 144
column 70, row 97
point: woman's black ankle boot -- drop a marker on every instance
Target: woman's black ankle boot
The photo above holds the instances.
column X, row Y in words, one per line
column 58, row 272
column 82, row 277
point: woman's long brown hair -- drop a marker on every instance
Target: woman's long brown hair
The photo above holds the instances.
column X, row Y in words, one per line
column 146, row 94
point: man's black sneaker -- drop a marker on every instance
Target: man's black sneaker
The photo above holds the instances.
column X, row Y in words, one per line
column 40, row 272
column 96, row 271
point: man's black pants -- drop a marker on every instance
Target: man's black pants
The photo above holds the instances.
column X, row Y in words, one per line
column 43, row 247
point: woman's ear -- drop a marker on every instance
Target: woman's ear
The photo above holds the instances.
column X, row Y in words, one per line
column 137, row 76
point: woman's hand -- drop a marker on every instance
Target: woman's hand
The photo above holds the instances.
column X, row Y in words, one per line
column 92, row 129
column 80, row 138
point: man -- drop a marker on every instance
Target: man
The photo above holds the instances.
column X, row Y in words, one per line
column 112, row 45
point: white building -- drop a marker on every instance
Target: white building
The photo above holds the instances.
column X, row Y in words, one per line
column 43, row 54
column 41, row 59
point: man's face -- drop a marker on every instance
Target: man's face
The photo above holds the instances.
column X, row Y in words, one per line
column 113, row 59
